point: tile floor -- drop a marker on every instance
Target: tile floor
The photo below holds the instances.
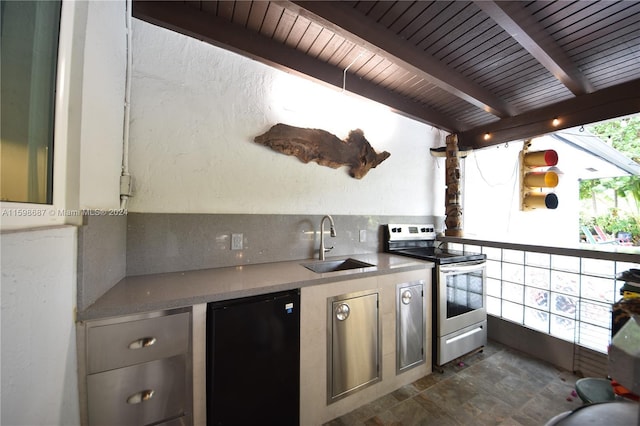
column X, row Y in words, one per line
column 499, row 386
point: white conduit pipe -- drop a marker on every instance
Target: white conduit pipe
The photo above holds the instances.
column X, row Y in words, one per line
column 344, row 73
column 125, row 178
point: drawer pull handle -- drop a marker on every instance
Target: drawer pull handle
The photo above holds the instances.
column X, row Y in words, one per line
column 145, row 342
column 141, row 396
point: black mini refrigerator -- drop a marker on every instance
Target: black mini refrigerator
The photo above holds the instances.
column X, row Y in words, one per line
column 253, row 360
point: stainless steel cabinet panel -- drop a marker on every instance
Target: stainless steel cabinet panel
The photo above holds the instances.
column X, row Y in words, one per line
column 133, row 342
column 137, row 369
column 139, row 395
column 354, row 343
column 410, row 325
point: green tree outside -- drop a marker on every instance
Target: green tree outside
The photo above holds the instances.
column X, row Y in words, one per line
column 614, row 203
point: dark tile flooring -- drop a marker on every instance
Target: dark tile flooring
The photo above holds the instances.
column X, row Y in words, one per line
column 498, row 386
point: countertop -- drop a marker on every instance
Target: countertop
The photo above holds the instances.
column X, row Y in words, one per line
column 154, row 292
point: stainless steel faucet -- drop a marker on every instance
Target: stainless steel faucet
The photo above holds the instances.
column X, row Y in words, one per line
column 323, row 250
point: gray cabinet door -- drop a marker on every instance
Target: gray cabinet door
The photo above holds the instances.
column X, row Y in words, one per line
column 354, row 346
column 410, row 323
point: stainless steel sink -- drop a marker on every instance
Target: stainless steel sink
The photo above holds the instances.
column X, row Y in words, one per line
column 324, row 266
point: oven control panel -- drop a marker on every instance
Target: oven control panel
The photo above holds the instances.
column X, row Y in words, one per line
column 397, row 232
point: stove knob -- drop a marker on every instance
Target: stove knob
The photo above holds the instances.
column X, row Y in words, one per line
column 399, row 229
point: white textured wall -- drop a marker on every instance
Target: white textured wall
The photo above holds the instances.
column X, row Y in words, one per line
column 492, row 197
column 39, row 376
column 196, row 109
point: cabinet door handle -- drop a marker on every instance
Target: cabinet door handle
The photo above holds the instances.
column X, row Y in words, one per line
column 406, row 297
column 141, row 396
column 342, row 312
column 145, row 342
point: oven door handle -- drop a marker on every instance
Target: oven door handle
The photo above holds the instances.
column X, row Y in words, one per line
column 456, row 268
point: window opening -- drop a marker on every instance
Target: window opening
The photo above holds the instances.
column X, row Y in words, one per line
column 29, row 53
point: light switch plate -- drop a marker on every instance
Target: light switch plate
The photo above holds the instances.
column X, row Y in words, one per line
column 236, row 241
column 363, row 235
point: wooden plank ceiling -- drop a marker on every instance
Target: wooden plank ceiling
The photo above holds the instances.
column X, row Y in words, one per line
column 474, row 68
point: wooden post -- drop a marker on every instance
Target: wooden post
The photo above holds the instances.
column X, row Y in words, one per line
column 453, row 196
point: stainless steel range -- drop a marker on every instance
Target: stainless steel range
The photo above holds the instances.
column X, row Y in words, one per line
column 459, row 290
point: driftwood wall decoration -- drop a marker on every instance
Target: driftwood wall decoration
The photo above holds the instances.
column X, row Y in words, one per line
column 324, row 148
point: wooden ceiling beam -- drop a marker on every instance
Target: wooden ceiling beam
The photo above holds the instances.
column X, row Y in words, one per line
column 357, row 28
column 606, row 104
column 187, row 20
column 527, row 31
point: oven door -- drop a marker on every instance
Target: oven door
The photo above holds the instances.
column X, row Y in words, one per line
column 462, row 296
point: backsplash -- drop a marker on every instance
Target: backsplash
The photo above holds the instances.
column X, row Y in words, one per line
column 158, row 242
column 102, row 255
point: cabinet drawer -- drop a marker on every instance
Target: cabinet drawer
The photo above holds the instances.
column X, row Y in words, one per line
column 116, row 397
column 132, row 342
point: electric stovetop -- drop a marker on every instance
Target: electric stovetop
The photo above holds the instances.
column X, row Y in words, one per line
column 418, row 241
column 441, row 256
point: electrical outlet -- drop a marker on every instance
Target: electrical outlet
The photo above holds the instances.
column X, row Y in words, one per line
column 363, row 235
column 236, row 241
